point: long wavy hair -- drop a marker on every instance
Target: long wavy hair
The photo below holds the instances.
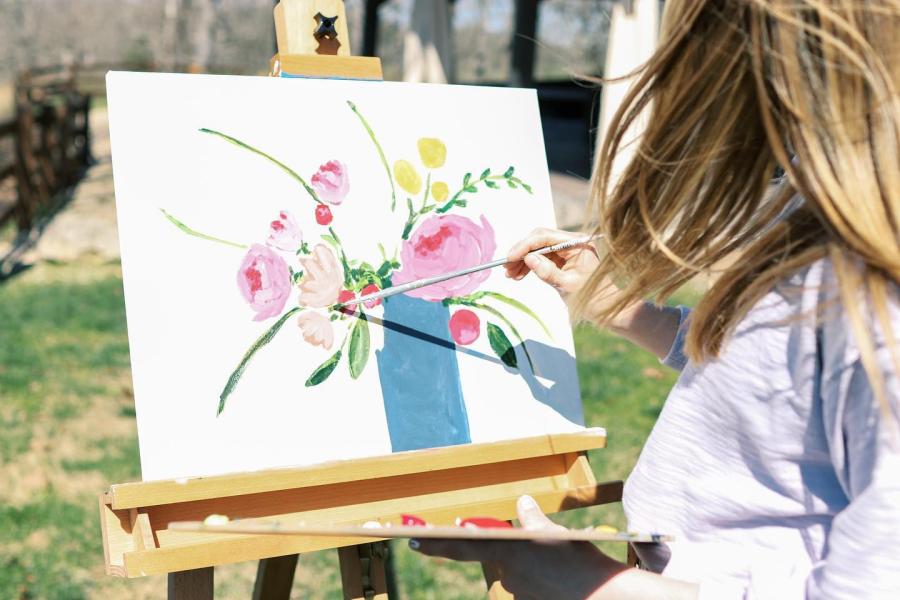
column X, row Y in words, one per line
column 735, row 89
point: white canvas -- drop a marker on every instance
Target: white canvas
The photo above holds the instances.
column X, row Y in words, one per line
column 191, row 301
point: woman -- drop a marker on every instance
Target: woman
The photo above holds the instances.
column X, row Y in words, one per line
column 776, row 460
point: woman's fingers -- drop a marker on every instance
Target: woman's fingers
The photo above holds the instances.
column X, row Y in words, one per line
column 537, row 239
column 545, row 269
column 531, row 516
column 464, row 550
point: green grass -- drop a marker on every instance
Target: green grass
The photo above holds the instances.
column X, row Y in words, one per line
column 67, row 420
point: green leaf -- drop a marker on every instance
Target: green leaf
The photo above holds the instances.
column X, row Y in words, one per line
column 471, row 189
column 384, row 269
column 526, row 187
column 491, row 184
column 516, row 304
column 467, row 179
column 485, row 174
column 259, row 343
column 410, row 206
column 511, row 183
column 509, row 172
column 502, row 346
column 359, row 346
column 330, row 240
column 324, row 370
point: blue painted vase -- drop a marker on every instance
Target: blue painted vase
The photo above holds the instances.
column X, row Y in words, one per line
column 420, row 384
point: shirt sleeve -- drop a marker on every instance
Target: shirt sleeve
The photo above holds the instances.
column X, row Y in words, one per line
column 676, row 359
column 862, row 558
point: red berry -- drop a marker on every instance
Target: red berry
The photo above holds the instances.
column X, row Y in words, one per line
column 412, row 521
column 484, row 523
column 465, row 327
column 323, row 215
column 346, row 296
column 371, row 289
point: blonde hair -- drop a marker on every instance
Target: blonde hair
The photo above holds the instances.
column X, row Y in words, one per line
column 736, row 88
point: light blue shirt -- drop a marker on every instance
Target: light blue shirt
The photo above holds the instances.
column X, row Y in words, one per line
column 775, row 466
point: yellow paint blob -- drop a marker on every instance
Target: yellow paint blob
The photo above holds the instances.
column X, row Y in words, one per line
column 407, row 177
column 440, row 191
column 433, row 152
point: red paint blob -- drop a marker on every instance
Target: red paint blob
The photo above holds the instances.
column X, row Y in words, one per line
column 371, row 289
column 485, row 523
column 465, row 327
column 346, row 296
column 254, row 278
column 323, row 215
column 430, row 243
column 412, row 521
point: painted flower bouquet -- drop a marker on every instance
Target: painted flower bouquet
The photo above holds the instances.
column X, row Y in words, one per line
column 294, row 274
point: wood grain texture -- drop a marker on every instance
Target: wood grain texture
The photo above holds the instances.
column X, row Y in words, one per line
column 196, row 584
column 329, row 67
column 274, row 578
column 363, row 574
column 152, row 493
column 295, row 25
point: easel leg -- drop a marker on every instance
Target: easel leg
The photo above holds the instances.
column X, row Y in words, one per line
column 274, row 578
column 496, row 591
column 363, row 571
column 196, row 584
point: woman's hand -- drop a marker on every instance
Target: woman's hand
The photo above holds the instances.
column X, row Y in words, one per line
column 650, row 327
column 567, row 270
column 544, row 570
column 557, row 570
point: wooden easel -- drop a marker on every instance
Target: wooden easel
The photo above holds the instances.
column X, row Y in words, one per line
column 438, row 485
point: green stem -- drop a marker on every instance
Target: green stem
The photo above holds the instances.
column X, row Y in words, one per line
column 511, row 302
column 196, row 233
column 271, row 159
column 259, row 343
column 453, row 199
column 509, row 324
column 344, row 262
column 381, row 155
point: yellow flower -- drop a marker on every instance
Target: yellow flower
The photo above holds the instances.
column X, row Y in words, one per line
column 406, row 176
column 440, row 191
column 433, row 152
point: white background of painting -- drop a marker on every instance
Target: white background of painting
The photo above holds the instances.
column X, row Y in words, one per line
column 188, row 325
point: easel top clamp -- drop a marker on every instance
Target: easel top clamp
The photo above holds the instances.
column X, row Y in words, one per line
column 439, row 484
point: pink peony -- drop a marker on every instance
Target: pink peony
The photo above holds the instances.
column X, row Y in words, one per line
column 264, row 281
column 322, row 278
column 316, row 329
column 284, row 233
column 331, row 182
column 446, row 243
column 465, row 327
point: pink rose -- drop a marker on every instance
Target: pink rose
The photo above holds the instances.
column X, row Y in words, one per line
column 446, row 243
column 331, row 182
column 264, row 281
column 322, row 278
column 284, row 233
column 316, row 329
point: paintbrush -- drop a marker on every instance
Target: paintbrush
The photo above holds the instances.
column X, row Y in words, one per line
column 414, row 285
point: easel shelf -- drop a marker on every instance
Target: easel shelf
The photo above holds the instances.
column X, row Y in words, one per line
column 441, row 484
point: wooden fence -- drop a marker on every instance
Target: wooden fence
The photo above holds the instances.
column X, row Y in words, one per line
column 50, row 140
